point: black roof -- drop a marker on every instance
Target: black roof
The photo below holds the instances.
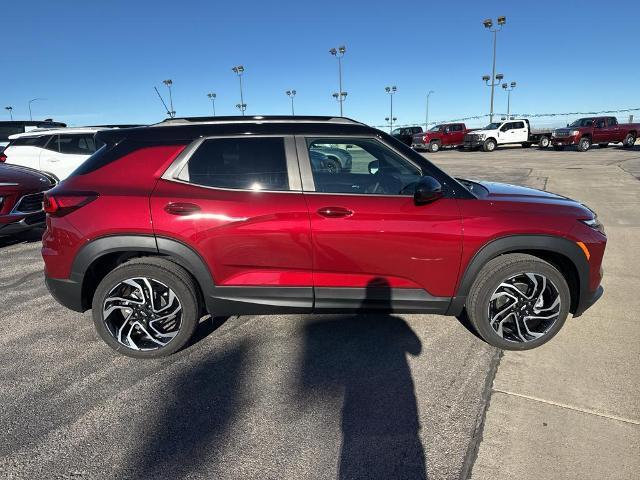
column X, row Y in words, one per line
column 187, row 129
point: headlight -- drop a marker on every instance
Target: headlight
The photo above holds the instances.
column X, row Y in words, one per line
column 481, row 136
column 573, row 133
column 595, row 224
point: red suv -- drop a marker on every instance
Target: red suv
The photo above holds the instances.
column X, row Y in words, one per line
column 168, row 223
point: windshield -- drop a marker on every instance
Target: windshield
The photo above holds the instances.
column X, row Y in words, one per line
column 396, row 131
column 583, row 122
column 437, row 128
column 492, row 126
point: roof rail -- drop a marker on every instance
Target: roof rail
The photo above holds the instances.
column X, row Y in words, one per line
column 258, row 119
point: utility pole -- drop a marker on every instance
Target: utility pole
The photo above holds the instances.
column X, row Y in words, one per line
column 391, row 91
column 341, row 95
column 488, row 23
column 426, row 120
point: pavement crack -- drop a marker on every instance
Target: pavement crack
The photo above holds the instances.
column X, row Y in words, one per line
column 476, row 438
column 569, row 407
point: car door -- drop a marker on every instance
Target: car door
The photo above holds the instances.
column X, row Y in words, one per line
column 66, row 152
column 456, row 135
column 614, row 133
column 367, row 232
column 25, row 151
column 599, row 131
column 519, row 132
column 237, row 201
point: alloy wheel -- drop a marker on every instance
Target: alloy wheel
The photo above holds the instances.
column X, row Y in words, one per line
column 524, row 307
column 142, row 313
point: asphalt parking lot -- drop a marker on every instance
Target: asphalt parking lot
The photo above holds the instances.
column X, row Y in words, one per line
column 323, row 397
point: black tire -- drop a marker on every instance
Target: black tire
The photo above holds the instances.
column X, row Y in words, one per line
column 603, row 145
column 629, row 140
column 489, row 145
column 526, row 144
column 544, row 142
column 558, row 148
column 490, row 278
column 332, row 165
column 584, row 144
column 172, row 276
column 434, row 146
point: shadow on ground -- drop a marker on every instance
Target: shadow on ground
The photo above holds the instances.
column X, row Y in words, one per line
column 29, row 236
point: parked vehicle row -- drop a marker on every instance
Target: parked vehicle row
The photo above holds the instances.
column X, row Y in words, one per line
column 13, row 127
column 444, row 135
column 167, row 223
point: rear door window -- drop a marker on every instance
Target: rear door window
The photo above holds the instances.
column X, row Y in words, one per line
column 239, row 163
column 83, row 144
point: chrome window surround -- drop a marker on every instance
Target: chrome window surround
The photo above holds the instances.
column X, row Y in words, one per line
column 174, row 172
column 308, row 184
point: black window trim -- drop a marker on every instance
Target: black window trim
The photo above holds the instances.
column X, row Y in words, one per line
column 293, row 172
column 308, row 184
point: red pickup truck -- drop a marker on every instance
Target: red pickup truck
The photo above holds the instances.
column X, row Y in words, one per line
column 443, row 135
column 584, row 132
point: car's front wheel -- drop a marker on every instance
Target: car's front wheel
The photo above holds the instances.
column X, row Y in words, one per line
column 584, row 144
column 518, row 302
column 146, row 308
column 489, row 145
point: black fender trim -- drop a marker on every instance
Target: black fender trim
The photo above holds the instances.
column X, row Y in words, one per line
column 518, row 243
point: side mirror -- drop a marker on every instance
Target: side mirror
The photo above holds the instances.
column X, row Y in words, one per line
column 428, row 190
column 374, row 166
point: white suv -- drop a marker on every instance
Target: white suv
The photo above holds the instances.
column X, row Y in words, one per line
column 54, row 151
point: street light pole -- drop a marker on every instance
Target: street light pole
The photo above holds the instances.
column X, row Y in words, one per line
column 391, row 91
column 506, row 87
column 426, row 120
column 488, row 23
column 168, row 83
column 30, row 102
column 10, row 108
column 212, row 97
column 291, row 94
column 339, row 53
column 239, row 70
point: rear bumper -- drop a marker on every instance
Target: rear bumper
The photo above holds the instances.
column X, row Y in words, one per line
column 586, row 301
column 35, row 220
column 67, row 293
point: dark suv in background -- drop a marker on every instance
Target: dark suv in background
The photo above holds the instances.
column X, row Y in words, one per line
column 167, row 223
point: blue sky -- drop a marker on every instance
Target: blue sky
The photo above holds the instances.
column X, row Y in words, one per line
column 97, row 62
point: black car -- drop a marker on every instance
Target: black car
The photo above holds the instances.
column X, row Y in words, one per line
column 405, row 134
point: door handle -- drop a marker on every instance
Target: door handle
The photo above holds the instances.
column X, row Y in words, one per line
column 181, row 208
column 335, row 212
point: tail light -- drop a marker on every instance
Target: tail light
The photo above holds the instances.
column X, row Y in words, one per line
column 3, row 157
column 60, row 204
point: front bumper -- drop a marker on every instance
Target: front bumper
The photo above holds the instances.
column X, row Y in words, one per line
column 35, row 220
column 473, row 143
column 563, row 141
column 418, row 146
column 67, row 293
column 586, row 301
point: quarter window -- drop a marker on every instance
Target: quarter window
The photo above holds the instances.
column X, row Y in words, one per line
column 239, row 163
column 374, row 169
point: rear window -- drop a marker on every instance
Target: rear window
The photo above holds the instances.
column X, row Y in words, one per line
column 239, row 163
column 29, row 141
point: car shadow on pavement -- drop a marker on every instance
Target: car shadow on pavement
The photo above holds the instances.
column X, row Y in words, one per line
column 365, row 357
column 29, row 236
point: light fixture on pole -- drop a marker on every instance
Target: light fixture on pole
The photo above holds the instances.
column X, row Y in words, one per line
column 488, row 24
column 212, row 97
column 339, row 53
column 291, row 94
column 391, row 91
column 169, row 83
column 509, row 88
column 239, row 70
column 30, row 102
column 496, row 81
column 10, row 108
column 340, row 98
column 426, row 120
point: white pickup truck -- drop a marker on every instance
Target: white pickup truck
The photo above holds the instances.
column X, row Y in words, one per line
column 506, row 132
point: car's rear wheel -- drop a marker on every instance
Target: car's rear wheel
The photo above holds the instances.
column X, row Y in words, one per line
column 544, row 142
column 146, row 308
column 489, row 145
column 584, row 144
column 434, row 146
column 518, row 302
column 629, row 140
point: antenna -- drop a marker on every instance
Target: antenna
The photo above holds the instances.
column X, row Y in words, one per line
column 161, row 99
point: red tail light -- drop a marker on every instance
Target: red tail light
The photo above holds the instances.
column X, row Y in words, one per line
column 3, row 157
column 60, row 204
